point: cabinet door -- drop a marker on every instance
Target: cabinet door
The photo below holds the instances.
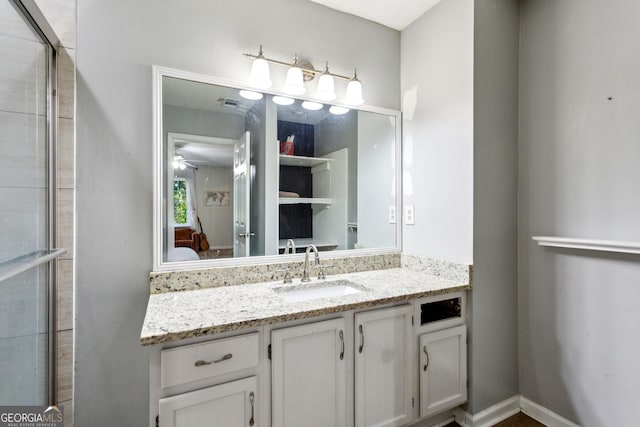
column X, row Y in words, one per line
column 231, row 404
column 382, row 367
column 443, row 370
column 308, row 375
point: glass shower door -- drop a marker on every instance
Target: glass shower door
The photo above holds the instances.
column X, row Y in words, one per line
column 25, row 214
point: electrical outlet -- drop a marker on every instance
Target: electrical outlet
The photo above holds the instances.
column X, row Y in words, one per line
column 409, row 217
column 392, row 214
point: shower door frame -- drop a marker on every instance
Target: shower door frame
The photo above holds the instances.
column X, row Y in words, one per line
column 36, row 19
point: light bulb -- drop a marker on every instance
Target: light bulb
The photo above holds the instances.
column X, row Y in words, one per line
column 326, row 89
column 177, row 160
column 182, row 166
column 309, row 105
column 249, row 94
column 338, row 110
column 283, row 100
column 260, row 76
column 354, row 91
column 295, row 82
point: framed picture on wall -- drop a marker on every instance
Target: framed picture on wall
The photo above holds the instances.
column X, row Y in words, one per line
column 219, row 198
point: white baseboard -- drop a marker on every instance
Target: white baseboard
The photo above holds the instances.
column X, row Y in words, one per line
column 503, row 410
column 444, row 423
column 490, row 416
column 544, row 415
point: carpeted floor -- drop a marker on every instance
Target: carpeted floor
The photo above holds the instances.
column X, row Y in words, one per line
column 518, row 420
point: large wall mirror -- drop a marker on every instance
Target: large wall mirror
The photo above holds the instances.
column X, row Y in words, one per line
column 238, row 177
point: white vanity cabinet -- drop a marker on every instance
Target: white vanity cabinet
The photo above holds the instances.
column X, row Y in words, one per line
column 313, row 369
column 442, row 352
column 231, row 404
column 213, row 383
column 308, row 375
column 383, row 375
column 443, row 370
column 384, row 367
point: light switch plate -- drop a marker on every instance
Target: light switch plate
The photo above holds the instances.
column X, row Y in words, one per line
column 409, row 217
column 392, row 214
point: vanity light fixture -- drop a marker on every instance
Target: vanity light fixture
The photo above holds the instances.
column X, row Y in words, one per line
column 312, row 106
column 299, row 72
column 295, row 80
column 283, row 100
column 326, row 88
column 249, row 94
column 337, row 110
column 354, row 91
column 260, row 76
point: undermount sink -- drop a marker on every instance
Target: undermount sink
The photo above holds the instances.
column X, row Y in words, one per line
column 311, row 291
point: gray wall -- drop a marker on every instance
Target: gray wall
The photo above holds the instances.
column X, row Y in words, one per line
column 118, row 41
column 578, row 158
column 437, row 63
column 461, row 57
column 376, row 180
column 493, row 356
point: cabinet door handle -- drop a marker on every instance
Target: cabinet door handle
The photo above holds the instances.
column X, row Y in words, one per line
column 213, row 362
column 426, row 358
column 361, row 338
column 251, row 399
column 342, row 340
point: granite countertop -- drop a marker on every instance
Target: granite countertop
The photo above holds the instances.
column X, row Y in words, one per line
column 178, row 315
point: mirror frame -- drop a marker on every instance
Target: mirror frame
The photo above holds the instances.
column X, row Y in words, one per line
column 159, row 265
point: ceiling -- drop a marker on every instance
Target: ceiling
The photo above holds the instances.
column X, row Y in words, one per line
column 220, row 99
column 200, row 154
column 203, row 96
column 396, row 14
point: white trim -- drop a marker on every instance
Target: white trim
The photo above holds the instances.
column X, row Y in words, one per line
column 507, row 408
column 158, row 72
column 544, row 415
column 444, row 423
column 490, row 416
column 589, row 244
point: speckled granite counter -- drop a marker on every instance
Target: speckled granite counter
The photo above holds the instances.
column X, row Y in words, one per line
column 178, row 315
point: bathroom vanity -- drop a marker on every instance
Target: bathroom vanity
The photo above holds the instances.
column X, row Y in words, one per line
column 382, row 347
column 380, row 342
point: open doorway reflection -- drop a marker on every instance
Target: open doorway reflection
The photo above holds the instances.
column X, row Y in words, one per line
column 202, row 207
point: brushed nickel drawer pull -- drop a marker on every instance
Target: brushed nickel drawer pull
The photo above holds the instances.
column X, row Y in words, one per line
column 251, row 398
column 361, row 339
column 222, row 359
column 342, row 340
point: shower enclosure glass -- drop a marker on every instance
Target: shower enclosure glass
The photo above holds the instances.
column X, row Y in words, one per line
column 27, row 155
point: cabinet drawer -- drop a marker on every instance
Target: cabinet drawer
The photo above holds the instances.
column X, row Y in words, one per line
column 201, row 361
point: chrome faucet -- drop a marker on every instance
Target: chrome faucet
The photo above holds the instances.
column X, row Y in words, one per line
column 290, row 248
column 305, row 274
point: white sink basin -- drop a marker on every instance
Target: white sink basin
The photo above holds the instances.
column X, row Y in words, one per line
column 306, row 292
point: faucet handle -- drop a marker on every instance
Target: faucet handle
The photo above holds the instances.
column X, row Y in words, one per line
column 287, row 275
column 321, row 274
